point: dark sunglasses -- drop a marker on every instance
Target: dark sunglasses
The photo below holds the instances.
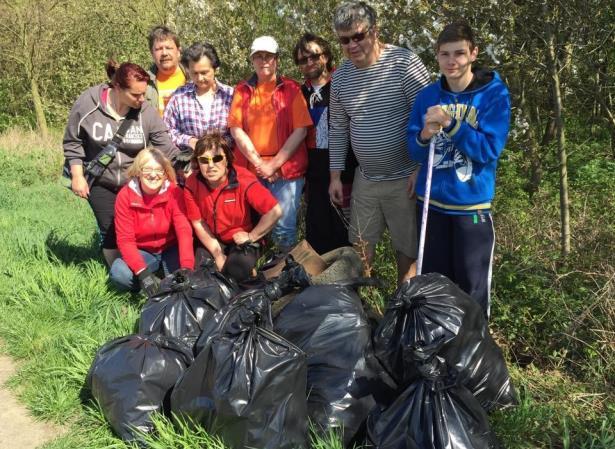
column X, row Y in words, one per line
column 357, row 37
column 205, row 160
column 312, row 58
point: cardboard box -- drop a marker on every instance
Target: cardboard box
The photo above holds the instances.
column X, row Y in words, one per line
column 303, row 254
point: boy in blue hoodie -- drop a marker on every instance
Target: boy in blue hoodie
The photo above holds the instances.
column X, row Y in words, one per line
column 472, row 109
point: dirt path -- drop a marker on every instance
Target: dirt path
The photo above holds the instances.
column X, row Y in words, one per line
column 19, row 430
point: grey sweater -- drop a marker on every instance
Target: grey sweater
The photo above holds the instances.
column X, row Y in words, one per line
column 90, row 127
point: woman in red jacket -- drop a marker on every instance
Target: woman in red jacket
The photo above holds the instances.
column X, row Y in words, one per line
column 219, row 200
column 152, row 230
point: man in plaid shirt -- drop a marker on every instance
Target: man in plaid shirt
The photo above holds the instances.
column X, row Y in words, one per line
column 201, row 106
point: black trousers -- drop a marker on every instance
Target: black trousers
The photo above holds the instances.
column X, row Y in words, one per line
column 324, row 228
column 102, row 202
column 240, row 261
column 461, row 248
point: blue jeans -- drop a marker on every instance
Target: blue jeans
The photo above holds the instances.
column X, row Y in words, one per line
column 288, row 194
column 122, row 277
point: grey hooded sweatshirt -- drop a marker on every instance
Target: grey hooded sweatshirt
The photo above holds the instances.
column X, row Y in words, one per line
column 90, row 127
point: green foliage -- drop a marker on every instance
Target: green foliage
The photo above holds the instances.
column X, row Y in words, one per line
column 180, row 435
column 49, row 283
column 550, row 310
column 552, row 412
column 13, row 111
column 68, row 43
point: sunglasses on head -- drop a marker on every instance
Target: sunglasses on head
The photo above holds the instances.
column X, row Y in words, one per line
column 215, row 159
column 357, row 37
column 312, row 58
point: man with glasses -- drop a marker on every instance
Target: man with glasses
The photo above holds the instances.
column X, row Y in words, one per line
column 268, row 121
column 372, row 93
column 325, row 224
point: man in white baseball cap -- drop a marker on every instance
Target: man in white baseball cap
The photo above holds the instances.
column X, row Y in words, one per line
column 266, row 44
column 269, row 120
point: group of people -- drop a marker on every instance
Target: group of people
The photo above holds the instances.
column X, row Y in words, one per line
column 353, row 140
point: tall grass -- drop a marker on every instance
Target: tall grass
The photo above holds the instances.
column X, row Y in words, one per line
column 553, row 319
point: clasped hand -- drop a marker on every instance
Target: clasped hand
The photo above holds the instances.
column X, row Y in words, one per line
column 241, row 237
column 435, row 118
column 268, row 170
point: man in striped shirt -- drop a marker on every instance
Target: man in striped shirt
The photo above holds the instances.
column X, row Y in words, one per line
column 372, row 94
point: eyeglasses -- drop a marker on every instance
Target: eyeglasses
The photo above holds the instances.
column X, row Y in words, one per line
column 205, row 160
column 357, row 37
column 312, row 58
column 152, row 171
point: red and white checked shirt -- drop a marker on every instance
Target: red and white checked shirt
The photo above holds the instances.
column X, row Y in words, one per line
column 186, row 118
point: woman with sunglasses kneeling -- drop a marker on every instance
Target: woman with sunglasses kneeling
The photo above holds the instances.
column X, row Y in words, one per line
column 220, row 199
column 153, row 233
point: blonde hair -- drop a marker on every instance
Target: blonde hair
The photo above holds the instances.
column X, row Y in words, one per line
column 134, row 171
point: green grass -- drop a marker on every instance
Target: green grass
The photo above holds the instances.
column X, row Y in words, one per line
column 56, row 309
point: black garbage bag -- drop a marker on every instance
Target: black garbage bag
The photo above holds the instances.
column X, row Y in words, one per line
column 344, row 378
column 131, row 377
column 431, row 310
column 434, row 412
column 247, row 384
column 185, row 302
column 293, row 278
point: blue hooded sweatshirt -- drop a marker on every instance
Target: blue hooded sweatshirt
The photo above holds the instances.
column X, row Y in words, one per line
column 467, row 152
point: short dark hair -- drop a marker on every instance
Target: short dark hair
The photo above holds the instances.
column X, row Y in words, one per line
column 459, row 30
column 211, row 142
column 302, row 45
column 161, row 33
column 196, row 51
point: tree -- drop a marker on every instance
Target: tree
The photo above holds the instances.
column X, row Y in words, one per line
column 32, row 27
column 54, row 49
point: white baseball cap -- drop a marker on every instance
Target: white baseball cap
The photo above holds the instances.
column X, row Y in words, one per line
column 264, row 43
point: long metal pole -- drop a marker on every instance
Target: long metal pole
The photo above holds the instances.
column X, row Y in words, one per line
column 432, row 150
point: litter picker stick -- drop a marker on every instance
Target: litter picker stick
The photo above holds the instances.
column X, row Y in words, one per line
column 432, row 150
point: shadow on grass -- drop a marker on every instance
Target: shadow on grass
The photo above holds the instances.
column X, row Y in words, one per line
column 71, row 254
column 85, row 394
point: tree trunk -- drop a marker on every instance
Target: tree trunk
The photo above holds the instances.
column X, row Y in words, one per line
column 39, row 112
column 534, row 150
column 550, row 131
column 561, row 144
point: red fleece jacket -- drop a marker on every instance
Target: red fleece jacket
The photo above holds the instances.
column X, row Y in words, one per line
column 153, row 224
column 226, row 209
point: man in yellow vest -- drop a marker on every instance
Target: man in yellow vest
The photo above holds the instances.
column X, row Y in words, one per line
column 166, row 74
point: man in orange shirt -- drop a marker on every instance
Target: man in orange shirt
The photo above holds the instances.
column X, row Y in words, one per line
column 269, row 120
column 166, row 73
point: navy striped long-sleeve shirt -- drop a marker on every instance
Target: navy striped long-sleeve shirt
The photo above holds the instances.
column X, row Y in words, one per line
column 370, row 108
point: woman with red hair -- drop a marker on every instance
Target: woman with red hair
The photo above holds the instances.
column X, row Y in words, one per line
column 94, row 120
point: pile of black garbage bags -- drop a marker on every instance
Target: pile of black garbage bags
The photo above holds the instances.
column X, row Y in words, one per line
column 213, row 354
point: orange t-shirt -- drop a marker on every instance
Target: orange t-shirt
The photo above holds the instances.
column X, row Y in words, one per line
column 167, row 85
column 262, row 128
